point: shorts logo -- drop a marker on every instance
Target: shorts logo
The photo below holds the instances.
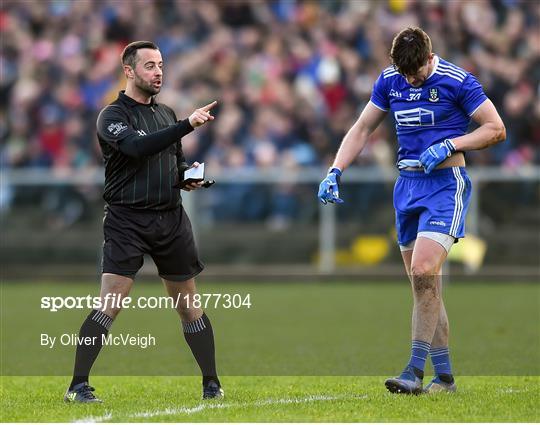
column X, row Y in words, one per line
column 437, row 223
column 434, row 94
column 116, row 128
column 141, row 133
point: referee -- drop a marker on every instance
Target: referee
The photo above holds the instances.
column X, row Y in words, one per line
column 144, row 165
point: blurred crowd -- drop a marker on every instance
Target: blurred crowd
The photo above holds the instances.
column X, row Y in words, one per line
column 291, row 76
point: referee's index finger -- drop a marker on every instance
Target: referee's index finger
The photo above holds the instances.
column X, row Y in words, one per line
column 206, row 108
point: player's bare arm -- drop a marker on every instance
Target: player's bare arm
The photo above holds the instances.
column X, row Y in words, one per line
column 490, row 132
column 356, row 138
column 353, row 143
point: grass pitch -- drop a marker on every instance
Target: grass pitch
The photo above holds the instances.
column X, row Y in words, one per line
column 272, row 399
column 302, row 352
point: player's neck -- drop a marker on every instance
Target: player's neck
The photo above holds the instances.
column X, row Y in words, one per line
column 137, row 95
column 433, row 65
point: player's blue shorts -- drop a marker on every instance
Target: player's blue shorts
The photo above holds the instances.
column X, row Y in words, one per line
column 435, row 202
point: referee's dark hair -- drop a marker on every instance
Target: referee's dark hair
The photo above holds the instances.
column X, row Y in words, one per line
column 129, row 55
column 410, row 50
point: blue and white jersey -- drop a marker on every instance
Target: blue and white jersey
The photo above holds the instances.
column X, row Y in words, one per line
column 439, row 109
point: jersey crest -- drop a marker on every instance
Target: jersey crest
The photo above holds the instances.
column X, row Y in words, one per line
column 433, row 94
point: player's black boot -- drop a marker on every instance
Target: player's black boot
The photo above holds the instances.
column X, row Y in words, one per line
column 81, row 393
column 212, row 390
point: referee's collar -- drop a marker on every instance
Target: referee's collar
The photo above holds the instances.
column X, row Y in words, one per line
column 132, row 102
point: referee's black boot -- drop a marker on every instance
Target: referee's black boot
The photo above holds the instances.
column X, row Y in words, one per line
column 81, row 393
column 212, row 390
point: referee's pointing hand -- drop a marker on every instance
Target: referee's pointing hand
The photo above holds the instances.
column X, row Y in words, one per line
column 201, row 115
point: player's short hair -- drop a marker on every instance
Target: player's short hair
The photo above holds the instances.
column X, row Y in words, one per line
column 410, row 50
column 129, row 54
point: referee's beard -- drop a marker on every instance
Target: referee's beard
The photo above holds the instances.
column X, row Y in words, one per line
column 145, row 87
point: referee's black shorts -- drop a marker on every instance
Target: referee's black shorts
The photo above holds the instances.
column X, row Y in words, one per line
column 164, row 235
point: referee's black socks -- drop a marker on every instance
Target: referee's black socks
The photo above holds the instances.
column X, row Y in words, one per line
column 93, row 329
column 200, row 338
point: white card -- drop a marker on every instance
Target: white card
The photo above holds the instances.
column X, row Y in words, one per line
column 195, row 173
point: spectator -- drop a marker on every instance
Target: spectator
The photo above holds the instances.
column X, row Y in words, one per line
column 290, row 75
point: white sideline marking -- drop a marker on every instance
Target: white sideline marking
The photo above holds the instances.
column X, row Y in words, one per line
column 210, row 406
column 94, row 419
column 511, row 391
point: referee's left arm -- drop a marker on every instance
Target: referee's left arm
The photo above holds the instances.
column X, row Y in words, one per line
column 113, row 127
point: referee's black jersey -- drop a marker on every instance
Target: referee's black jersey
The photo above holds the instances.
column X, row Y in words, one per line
column 139, row 181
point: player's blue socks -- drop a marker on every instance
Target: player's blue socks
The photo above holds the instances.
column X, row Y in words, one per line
column 419, row 353
column 440, row 357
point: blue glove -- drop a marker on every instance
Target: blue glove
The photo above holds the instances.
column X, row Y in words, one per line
column 436, row 154
column 329, row 187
